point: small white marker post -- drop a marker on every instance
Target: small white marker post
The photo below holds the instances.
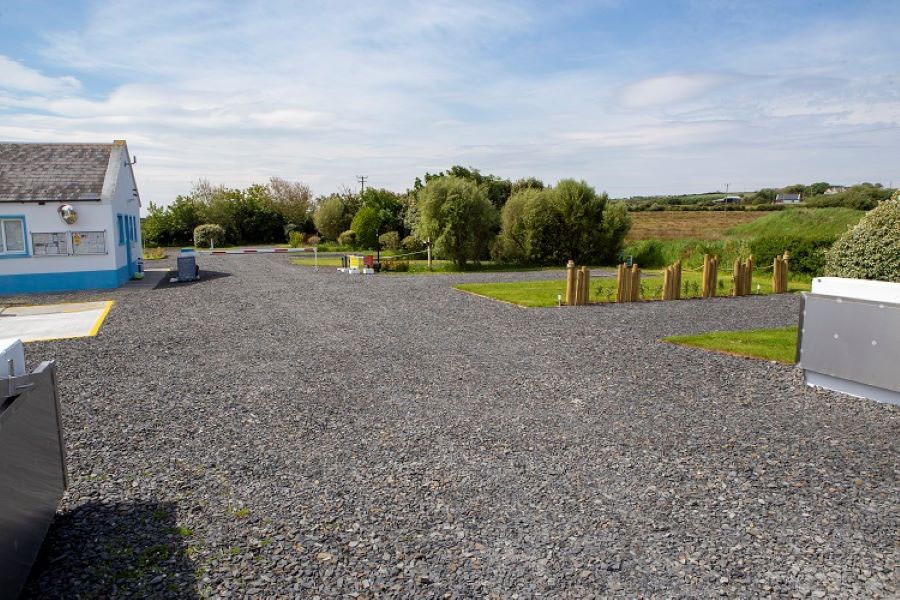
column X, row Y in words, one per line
column 316, row 256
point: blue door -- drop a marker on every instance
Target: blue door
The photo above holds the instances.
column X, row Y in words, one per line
column 129, row 237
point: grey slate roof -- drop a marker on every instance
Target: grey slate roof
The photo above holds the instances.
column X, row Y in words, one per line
column 52, row 172
column 787, row 197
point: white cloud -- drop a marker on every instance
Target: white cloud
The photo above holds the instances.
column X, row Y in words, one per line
column 15, row 76
column 671, row 89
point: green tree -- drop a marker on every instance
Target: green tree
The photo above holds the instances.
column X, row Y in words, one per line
column 387, row 205
column 581, row 210
column 553, row 225
column 365, row 225
column 332, row 216
column 247, row 216
column 456, row 214
column 527, row 183
column 292, row 200
column 156, row 228
column 184, row 214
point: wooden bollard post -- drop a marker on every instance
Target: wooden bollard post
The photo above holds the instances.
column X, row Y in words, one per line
column 579, row 287
column 784, row 272
column 738, row 277
column 626, row 284
column 667, row 283
column 635, row 283
column 748, row 276
column 586, row 281
column 570, row 283
column 776, row 277
column 704, row 292
column 677, row 280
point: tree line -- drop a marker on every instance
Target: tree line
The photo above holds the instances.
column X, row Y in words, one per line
column 466, row 215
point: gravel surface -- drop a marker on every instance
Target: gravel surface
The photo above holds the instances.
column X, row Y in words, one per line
column 275, row 431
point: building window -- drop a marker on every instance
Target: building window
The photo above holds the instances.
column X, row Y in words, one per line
column 121, row 223
column 12, row 236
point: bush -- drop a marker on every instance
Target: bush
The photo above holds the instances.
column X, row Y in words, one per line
column 389, row 240
column 297, row 239
column 332, row 216
column 348, row 238
column 208, row 234
column 398, row 266
column 412, row 244
column 457, row 215
column 365, row 225
column 807, row 254
column 313, row 240
column 649, row 254
column 871, row 250
column 553, row 225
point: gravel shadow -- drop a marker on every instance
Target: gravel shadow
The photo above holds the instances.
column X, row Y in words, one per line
column 205, row 277
column 99, row 550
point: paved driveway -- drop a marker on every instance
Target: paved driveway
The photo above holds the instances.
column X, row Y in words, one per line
column 271, row 430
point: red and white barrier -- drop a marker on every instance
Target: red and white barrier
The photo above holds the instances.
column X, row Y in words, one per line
column 258, row 251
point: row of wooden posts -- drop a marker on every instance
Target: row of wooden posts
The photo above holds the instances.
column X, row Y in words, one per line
column 578, row 285
column 628, row 280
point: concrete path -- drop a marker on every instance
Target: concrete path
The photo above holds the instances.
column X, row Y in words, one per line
column 53, row 321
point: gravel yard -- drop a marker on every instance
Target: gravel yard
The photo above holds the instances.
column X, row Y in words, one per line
column 282, row 432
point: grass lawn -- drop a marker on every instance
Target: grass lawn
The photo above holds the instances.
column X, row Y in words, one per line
column 768, row 344
column 603, row 289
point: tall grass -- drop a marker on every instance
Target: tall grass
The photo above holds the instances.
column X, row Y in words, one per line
column 801, row 222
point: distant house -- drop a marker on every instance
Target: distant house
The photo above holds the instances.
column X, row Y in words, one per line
column 836, row 189
column 69, row 217
column 728, row 200
column 787, row 199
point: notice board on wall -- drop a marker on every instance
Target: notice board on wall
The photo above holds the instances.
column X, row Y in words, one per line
column 88, row 242
column 50, row 244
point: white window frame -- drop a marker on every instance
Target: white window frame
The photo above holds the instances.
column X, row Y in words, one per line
column 3, row 250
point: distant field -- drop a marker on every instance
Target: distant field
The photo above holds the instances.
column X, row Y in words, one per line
column 672, row 225
column 801, row 222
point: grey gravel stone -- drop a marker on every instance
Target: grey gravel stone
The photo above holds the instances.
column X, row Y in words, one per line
column 279, row 432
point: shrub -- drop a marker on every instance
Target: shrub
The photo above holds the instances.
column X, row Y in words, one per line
column 348, row 238
column 297, row 239
column 553, row 225
column 649, row 254
column 399, row 266
column 389, row 240
column 313, row 240
column 871, row 250
column 457, row 215
column 365, row 225
column 807, row 254
column 412, row 244
column 208, row 234
column 332, row 216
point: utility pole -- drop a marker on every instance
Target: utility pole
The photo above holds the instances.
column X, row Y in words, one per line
column 726, row 188
column 362, row 182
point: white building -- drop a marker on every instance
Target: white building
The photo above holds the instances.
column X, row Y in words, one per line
column 787, row 199
column 69, row 217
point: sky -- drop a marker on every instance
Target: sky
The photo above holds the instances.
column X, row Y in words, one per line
column 636, row 98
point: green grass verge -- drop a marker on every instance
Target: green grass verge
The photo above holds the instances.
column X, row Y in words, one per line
column 801, row 222
column 535, row 294
column 768, row 344
column 420, row 267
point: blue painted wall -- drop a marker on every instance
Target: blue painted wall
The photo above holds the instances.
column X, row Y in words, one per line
column 32, row 283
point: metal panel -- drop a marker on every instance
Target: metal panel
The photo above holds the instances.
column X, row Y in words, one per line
column 32, row 470
column 851, row 339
